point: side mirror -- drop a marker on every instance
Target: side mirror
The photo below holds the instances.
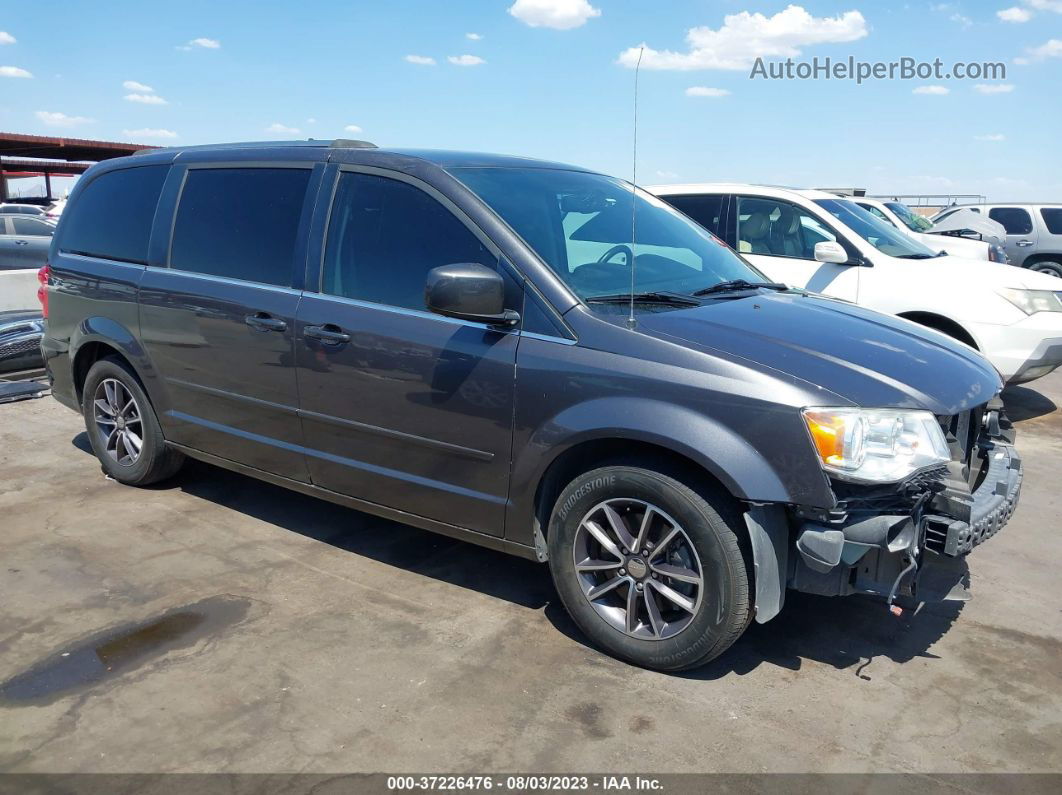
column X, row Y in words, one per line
column 828, row 251
column 469, row 291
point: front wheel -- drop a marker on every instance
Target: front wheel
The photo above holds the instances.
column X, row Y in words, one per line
column 651, row 570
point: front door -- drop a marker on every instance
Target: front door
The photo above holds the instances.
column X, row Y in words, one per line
column 219, row 322
column 402, row 407
column 779, row 238
column 24, row 242
column 1021, row 234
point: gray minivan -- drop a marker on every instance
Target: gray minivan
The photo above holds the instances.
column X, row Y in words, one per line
column 529, row 356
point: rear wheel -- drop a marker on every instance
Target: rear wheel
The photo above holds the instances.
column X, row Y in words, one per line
column 122, row 426
column 651, row 570
column 1053, row 268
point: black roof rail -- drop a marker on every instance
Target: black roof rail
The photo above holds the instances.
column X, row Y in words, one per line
column 351, row 143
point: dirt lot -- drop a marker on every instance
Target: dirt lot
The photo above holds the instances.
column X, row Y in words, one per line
column 220, row 624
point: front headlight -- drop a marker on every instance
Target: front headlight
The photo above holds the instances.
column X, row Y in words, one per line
column 1032, row 301
column 996, row 253
column 876, row 445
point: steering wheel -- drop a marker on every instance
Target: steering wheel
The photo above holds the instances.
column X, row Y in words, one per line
column 622, row 248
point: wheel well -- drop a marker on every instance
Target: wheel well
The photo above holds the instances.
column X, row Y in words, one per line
column 1036, row 259
column 600, row 452
column 943, row 325
column 87, row 355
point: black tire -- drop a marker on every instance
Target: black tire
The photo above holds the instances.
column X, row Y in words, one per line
column 712, row 525
column 1044, row 266
column 155, row 460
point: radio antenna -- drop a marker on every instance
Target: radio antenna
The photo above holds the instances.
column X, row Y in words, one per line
column 631, row 322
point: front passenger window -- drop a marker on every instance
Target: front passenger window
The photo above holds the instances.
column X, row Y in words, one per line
column 779, row 229
column 384, row 236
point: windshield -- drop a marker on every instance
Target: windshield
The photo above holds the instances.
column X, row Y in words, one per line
column 885, row 238
column 580, row 225
column 912, row 220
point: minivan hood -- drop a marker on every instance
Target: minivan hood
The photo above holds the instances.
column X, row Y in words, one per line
column 867, row 358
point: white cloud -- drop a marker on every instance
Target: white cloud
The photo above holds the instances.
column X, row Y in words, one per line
column 961, row 19
column 667, row 174
column 421, row 60
column 13, row 71
column 935, row 90
column 1049, row 49
column 149, row 132
column 132, row 85
column 145, row 99
column 205, row 43
column 6, row 38
column 991, row 137
column 1014, row 14
column 705, row 91
column 352, row 128
column 745, row 37
column 474, row 36
column 1046, row 5
column 994, row 88
column 53, row 119
column 311, row 120
column 281, row 129
column 465, row 60
column 557, row 14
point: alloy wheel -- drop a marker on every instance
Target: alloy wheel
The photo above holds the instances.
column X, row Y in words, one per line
column 117, row 417
column 638, row 568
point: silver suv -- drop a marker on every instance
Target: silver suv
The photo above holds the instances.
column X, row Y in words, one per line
column 1034, row 232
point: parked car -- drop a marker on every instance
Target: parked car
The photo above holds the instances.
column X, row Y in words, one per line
column 1034, row 232
column 450, row 340
column 20, row 209
column 24, row 241
column 913, row 225
column 830, row 245
column 20, row 340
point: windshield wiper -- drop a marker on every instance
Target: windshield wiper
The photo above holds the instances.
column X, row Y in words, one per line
column 645, row 298
column 734, row 285
column 917, row 256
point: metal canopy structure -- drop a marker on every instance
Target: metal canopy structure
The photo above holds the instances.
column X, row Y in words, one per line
column 44, row 156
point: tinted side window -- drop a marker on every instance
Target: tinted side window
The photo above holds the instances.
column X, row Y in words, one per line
column 240, row 223
column 1014, row 219
column 385, row 235
column 1053, row 219
column 112, row 216
column 705, row 210
column 31, row 226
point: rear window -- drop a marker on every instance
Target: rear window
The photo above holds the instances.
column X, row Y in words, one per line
column 1052, row 219
column 112, row 216
column 240, row 223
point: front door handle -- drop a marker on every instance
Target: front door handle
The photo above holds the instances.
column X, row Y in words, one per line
column 263, row 321
column 328, row 332
column 1024, row 243
column 21, row 242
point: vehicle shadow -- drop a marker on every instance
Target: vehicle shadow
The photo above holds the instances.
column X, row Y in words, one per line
column 1023, row 403
column 846, row 633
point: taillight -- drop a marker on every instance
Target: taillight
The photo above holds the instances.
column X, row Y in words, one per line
column 43, row 276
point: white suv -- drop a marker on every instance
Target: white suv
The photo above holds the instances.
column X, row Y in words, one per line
column 914, row 225
column 827, row 244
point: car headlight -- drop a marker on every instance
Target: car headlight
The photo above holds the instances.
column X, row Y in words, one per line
column 876, row 445
column 996, row 253
column 1032, row 301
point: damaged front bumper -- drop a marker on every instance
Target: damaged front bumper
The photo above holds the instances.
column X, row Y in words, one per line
column 910, row 540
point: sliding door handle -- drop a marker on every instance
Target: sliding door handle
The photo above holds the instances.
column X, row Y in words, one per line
column 329, row 333
column 263, row 321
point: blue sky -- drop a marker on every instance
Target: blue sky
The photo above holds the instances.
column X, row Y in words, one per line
column 552, row 83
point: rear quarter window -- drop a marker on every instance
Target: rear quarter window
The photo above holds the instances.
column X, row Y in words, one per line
column 1052, row 219
column 113, row 214
column 1014, row 219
